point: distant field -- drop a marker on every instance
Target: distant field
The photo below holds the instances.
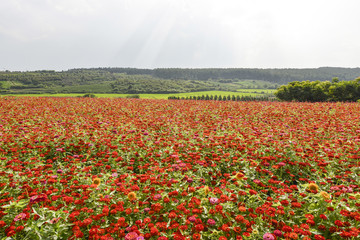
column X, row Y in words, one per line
column 240, row 92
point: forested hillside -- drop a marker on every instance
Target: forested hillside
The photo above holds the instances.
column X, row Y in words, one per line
column 162, row 80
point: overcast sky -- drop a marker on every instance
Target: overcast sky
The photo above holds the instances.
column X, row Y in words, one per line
column 65, row 34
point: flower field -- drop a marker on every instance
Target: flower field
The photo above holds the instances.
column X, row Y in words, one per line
column 85, row 168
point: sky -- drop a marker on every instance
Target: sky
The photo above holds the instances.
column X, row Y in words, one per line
column 65, row 34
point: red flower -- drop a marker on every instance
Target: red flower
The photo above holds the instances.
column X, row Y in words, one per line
column 252, row 192
column 296, row 205
column 319, row 237
column 196, row 236
column 154, row 231
column 218, row 208
column 2, row 224
column 19, row 228
column 286, row 229
column 199, row 227
column 339, row 223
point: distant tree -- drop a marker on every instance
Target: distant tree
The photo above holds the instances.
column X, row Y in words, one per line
column 90, row 95
column 335, row 80
column 345, row 91
column 320, row 91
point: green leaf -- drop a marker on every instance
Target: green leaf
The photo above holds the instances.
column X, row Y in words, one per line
column 313, row 231
column 39, row 224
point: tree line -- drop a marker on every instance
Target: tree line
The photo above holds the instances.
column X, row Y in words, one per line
column 223, row 98
column 316, row 91
column 275, row 75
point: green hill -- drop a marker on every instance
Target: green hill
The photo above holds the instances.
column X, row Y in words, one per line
column 170, row 80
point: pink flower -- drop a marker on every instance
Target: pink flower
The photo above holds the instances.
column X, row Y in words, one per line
column 268, row 236
column 19, row 217
column 157, row 196
column 211, row 222
column 38, row 198
column 131, row 236
column 192, row 219
column 214, row 200
column 54, row 220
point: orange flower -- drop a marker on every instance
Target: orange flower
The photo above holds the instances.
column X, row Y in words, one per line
column 242, row 209
column 313, row 187
column 239, row 176
column 293, row 236
column 206, row 190
column 97, row 181
column 131, row 196
column 325, row 195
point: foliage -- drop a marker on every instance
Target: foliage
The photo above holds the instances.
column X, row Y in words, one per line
column 91, row 95
column 138, row 81
column 320, row 91
column 280, row 76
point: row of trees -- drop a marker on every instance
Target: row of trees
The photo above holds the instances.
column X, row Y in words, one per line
column 345, row 91
column 280, row 76
column 224, row 98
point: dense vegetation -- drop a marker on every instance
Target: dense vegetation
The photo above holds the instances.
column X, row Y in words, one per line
column 320, row 91
column 279, row 76
column 172, row 80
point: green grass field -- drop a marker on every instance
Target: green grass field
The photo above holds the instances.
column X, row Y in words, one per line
column 240, row 92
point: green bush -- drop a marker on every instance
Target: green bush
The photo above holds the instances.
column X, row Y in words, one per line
column 91, row 95
column 341, row 91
